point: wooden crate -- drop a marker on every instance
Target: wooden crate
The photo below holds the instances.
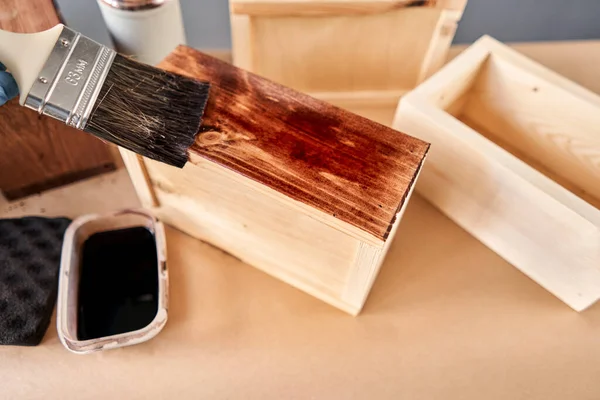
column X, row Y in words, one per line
column 302, row 190
column 515, row 161
column 361, row 55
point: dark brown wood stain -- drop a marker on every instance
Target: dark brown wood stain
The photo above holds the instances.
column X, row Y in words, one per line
column 344, row 165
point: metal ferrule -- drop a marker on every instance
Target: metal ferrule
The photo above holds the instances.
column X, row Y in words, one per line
column 70, row 81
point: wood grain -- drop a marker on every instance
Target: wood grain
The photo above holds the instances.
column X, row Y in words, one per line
column 39, row 152
column 344, row 165
column 543, row 124
column 258, row 226
column 345, row 53
column 386, row 45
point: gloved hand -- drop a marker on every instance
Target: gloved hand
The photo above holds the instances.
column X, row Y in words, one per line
column 8, row 86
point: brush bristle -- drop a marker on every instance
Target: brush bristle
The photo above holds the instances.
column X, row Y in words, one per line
column 149, row 111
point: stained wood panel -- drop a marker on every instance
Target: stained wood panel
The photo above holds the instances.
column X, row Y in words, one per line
column 347, row 166
column 37, row 153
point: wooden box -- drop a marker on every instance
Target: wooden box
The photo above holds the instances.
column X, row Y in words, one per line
column 515, row 161
column 361, row 55
column 302, row 190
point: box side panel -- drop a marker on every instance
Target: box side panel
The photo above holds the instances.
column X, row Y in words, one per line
column 548, row 241
column 553, row 130
column 383, row 51
column 255, row 224
column 370, row 258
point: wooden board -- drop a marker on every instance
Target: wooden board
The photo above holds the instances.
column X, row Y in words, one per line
column 40, row 152
column 342, row 50
column 335, row 7
column 316, row 55
column 343, row 165
column 515, row 162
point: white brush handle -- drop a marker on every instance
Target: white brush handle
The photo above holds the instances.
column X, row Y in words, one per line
column 24, row 55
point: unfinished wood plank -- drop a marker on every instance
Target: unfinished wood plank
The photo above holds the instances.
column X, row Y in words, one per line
column 334, row 7
column 322, row 8
column 344, row 53
column 40, row 152
column 514, row 161
column 337, row 162
column 393, row 46
column 242, row 38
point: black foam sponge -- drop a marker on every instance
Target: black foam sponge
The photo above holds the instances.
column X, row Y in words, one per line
column 30, row 250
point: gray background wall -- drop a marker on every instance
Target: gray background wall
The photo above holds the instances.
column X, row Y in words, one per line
column 207, row 22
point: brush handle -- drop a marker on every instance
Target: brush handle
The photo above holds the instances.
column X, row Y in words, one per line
column 24, row 55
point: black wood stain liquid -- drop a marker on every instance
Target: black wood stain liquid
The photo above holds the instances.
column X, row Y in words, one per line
column 118, row 286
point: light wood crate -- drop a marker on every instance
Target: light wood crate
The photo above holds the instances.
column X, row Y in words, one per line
column 361, row 55
column 302, row 190
column 515, row 161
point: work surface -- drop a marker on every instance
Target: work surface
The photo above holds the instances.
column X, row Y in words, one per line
column 447, row 318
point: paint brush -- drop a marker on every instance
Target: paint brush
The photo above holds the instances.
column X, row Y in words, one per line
column 86, row 85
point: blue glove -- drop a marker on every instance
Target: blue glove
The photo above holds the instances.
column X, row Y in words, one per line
column 8, row 86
